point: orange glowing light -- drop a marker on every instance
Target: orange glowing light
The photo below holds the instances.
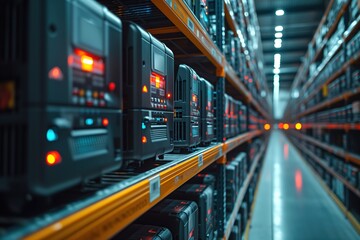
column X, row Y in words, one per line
column 53, row 158
column 157, row 81
column 286, row 126
column 144, row 139
column 298, row 126
column 87, row 63
column 168, row 95
column 194, row 98
column 105, row 122
column 267, row 126
column 55, row 73
column 144, row 89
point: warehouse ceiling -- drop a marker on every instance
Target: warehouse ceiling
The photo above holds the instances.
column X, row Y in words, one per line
column 299, row 23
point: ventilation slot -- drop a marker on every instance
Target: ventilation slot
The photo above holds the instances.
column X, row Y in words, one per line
column 13, row 31
column 13, row 150
column 158, row 134
column 180, row 87
column 90, row 145
column 180, row 131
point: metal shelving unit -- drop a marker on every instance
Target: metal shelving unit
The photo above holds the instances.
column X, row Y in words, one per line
column 320, row 113
column 102, row 213
column 110, row 210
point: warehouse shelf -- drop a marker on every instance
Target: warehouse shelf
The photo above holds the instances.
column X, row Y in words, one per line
column 237, row 141
column 330, row 102
column 332, row 77
column 229, row 15
column 353, row 27
column 330, row 170
column 182, row 17
column 331, row 148
column 242, row 193
column 322, row 66
column 113, row 208
column 340, row 126
column 327, row 35
column 331, row 30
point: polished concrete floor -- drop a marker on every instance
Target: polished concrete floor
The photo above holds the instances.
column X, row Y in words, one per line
column 291, row 203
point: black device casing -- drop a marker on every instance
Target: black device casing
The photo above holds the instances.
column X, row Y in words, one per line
column 148, row 232
column 180, row 217
column 203, row 196
column 187, row 108
column 52, row 91
column 148, row 95
column 207, row 112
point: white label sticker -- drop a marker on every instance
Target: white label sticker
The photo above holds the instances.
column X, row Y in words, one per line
column 154, row 187
column 191, row 24
column 169, row 2
column 200, row 160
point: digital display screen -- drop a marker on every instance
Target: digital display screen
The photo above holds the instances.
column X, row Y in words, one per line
column 157, row 84
column 158, row 60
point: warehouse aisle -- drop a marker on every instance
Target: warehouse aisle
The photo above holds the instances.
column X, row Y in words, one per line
column 291, row 203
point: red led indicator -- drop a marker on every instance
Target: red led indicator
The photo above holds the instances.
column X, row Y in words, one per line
column 105, row 122
column 168, row 95
column 112, row 86
column 55, row 73
column 53, row 158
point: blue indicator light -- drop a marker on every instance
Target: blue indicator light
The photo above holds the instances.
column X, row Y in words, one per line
column 89, row 121
column 143, row 126
column 51, row 135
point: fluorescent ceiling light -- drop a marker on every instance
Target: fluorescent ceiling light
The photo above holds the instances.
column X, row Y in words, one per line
column 278, row 35
column 277, row 58
column 279, row 28
column 277, row 45
column 276, row 78
column 279, row 12
column 276, row 71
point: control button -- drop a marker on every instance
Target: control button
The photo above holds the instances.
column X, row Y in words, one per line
column 96, row 102
column 89, row 121
column 102, row 103
column 75, row 99
column 95, row 94
column 88, row 93
column 152, row 99
column 75, row 91
column 81, row 92
column 101, row 95
column 152, row 105
column 89, row 103
column 82, row 101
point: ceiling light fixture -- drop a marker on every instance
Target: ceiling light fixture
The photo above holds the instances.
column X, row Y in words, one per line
column 279, row 12
column 279, row 28
column 278, row 35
